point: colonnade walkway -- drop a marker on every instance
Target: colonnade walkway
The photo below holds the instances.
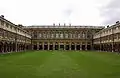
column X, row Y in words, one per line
column 61, row 47
column 13, row 47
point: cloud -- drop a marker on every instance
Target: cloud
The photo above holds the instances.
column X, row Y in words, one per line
column 111, row 12
column 68, row 12
column 42, row 12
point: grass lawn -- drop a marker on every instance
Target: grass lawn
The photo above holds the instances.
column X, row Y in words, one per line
column 58, row 64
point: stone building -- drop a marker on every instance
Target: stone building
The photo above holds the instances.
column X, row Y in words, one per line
column 62, row 37
column 15, row 38
column 108, row 39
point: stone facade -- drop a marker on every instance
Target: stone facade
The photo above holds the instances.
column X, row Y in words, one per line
column 15, row 38
column 12, row 37
column 108, row 39
column 62, row 37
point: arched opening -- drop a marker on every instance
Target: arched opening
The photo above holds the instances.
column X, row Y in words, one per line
column 88, row 47
column 35, row 47
column 51, row 46
column 1, row 47
column 45, row 46
column 73, row 47
column 67, row 47
column 40, row 47
column 56, row 46
column 78, row 47
column 61, row 47
column 5, row 47
column 13, row 46
column 83, row 47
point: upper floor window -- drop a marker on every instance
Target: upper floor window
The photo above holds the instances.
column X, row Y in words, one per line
column 2, row 23
column 57, row 35
column 6, row 25
column 61, row 35
column 52, row 35
column 83, row 35
column 40, row 35
column 79, row 35
column 66, row 35
column 70, row 35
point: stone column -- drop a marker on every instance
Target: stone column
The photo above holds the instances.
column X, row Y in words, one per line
column 112, row 47
column 3, row 48
column 15, row 46
column 48, row 46
column 75, row 46
column 70, row 46
column 80, row 46
column 32, row 45
column 37, row 45
column 86, row 46
column 43, row 46
column 59, row 46
column 53, row 46
column 64, row 46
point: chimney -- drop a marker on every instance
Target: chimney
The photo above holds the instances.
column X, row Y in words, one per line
column 70, row 24
column 53, row 24
column 117, row 22
column 20, row 25
column 2, row 16
column 59, row 24
column 64, row 24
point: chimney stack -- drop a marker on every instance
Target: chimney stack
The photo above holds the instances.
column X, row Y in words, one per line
column 2, row 16
column 107, row 26
column 59, row 24
column 53, row 24
column 64, row 24
column 70, row 24
column 117, row 22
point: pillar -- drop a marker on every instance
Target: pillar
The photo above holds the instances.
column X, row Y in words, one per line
column 53, row 46
column 80, row 46
column 86, row 46
column 48, row 46
column 43, row 45
column 15, row 46
column 3, row 47
column 37, row 45
column 59, row 46
column 75, row 46
column 64, row 46
column 70, row 46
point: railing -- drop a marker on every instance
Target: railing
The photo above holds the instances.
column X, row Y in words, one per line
column 92, row 27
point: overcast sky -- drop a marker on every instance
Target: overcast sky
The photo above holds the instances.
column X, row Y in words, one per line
column 47, row 12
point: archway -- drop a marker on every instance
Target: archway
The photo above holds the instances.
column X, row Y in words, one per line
column 73, row 47
column 56, row 46
column 51, row 46
column 45, row 46
column 83, row 47
column 1, row 47
column 35, row 47
column 67, row 47
column 40, row 47
column 88, row 47
column 78, row 47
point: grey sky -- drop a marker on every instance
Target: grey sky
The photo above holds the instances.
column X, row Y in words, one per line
column 47, row 12
column 111, row 12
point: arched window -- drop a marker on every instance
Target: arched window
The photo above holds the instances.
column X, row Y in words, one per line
column 61, row 35
column 57, row 35
column 66, row 35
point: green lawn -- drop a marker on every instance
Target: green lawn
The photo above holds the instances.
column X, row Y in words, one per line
column 60, row 64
